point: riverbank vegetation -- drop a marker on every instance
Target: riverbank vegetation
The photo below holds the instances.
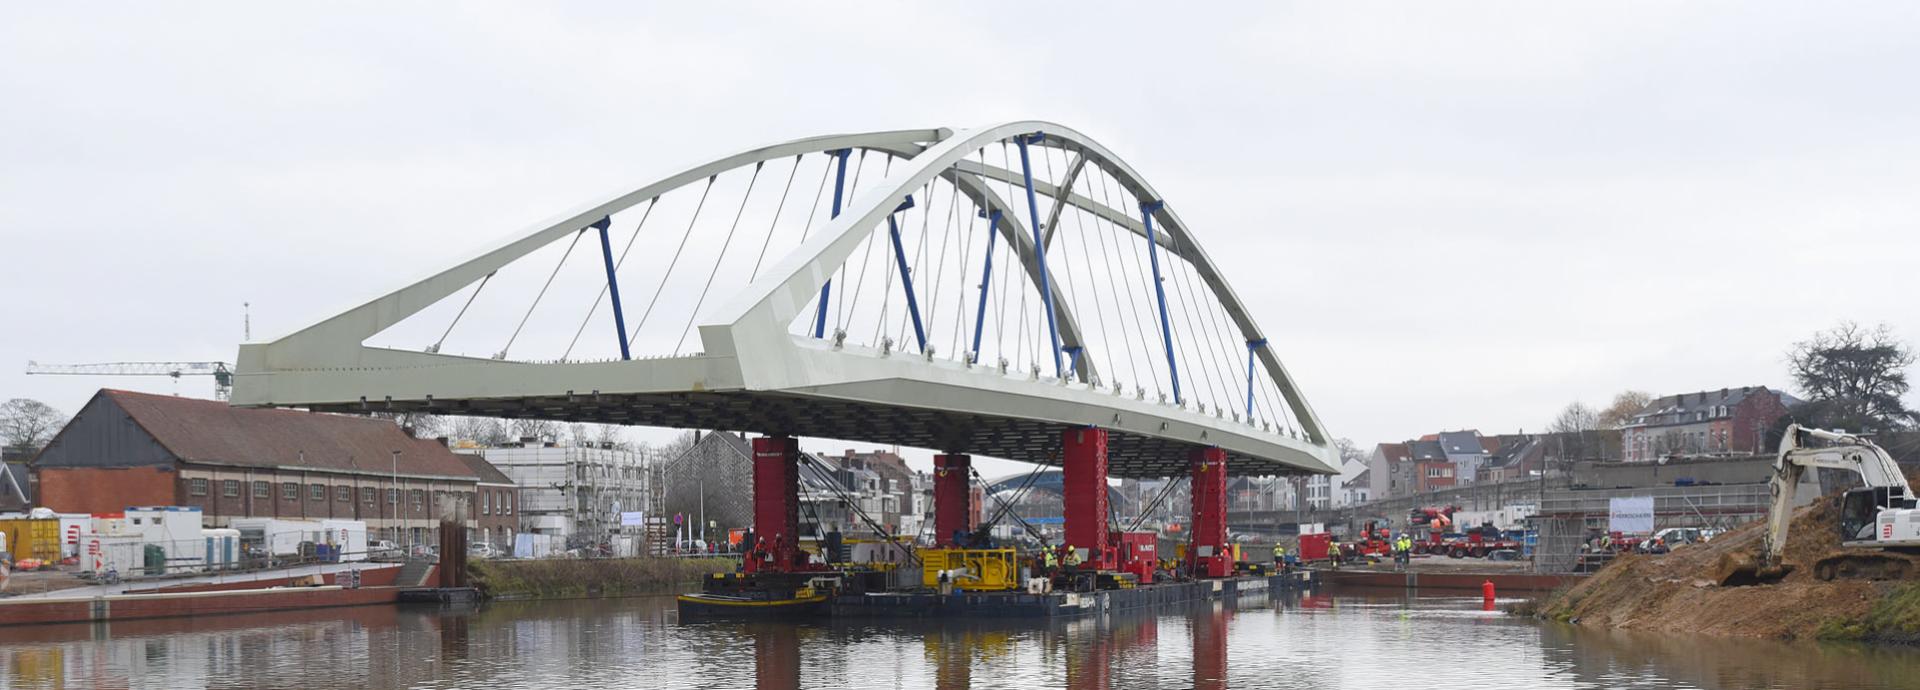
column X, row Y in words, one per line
column 601, row 577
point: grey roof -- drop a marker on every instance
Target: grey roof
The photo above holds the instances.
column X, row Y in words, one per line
column 1681, row 408
column 1461, row 442
column 1513, row 450
column 1428, row 450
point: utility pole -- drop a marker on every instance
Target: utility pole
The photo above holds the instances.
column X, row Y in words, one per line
column 399, row 524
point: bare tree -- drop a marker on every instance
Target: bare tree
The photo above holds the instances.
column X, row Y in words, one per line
column 1574, row 428
column 27, row 424
column 1856, row 376
column 613, row 436
column 1349, row 451
column 1623, row 407
column 485, row 431
column 416, row 424
column 544, row 430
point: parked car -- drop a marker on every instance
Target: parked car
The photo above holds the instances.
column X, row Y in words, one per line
column 482, row 550
column 383, row 549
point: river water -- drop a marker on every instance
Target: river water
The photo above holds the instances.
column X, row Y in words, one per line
column 1339, row 641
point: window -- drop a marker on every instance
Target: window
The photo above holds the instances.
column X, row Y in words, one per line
column 261, row 490
column 317, row 492
column 393, row 495
column 506, row 499
column 290, row 491
column 486, row 504
column 366, row 494
column 419, row 498
column 343, row 493
column 196, row 487
column 230, row 487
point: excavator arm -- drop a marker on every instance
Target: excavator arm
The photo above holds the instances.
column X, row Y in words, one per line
column 1845, row 452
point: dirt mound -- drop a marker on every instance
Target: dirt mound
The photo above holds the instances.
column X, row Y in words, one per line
column 1695, row 589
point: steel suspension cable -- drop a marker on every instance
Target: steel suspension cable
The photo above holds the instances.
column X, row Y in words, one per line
column 960, row 313
column 920, row 257
column 775, row 223
column 1093, row 286
column 947, row 232
column 676, row 258
column 1211, row 309
column 463, row 312
column 1099, row 305
column 1073, row 291
column 851, row 304
column 841, row 270
column 1203, row 342
column 1209, row 303
column 616, row 268
column 724, row 245
column 1140, row 322
column 543, row 293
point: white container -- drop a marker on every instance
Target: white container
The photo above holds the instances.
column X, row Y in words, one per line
column 348, row 537
column 175, row 529
column 75, row 528
column 279, row 537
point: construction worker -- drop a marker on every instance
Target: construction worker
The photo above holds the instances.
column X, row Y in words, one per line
column 1050, row 560
column 1279, row 555
column 1072, row 556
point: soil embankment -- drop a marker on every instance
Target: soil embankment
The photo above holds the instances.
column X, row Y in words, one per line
column 1829, row 592
column 599, row 577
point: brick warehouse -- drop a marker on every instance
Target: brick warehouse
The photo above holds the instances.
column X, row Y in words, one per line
column 126, row 449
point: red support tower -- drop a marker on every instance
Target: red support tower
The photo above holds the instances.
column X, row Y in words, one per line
column 952, row 497
column 1209, row 556
column 776, row 506
column 1085, row 482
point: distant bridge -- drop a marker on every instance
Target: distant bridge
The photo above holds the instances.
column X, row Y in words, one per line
column 978, row 291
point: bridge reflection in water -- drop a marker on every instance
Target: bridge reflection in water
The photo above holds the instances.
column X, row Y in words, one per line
column 1311, row 642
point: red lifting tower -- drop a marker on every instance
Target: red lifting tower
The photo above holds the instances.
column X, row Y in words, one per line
column 776, row 507
column 1084, row 479
column 1209, row 556
column 952, row 495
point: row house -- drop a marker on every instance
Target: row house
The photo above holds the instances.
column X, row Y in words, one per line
column 1728, row 421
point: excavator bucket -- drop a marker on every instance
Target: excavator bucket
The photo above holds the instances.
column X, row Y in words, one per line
column 1744, row 568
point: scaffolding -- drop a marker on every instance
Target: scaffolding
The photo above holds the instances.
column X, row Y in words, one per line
column 578, row 493
column 1569, row 517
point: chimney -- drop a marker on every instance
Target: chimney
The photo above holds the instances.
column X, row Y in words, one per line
column 1723, row 394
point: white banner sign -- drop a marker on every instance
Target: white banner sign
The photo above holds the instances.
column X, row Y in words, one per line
column 1630, row 514
column 633, row 519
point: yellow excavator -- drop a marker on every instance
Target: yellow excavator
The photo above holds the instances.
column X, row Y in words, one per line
column 1881, row 514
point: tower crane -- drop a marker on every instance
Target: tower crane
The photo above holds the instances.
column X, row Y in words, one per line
column 221, row 372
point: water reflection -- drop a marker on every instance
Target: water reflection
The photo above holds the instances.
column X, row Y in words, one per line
column 1368, row 640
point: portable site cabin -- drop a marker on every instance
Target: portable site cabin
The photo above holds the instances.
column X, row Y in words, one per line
column 175, row 529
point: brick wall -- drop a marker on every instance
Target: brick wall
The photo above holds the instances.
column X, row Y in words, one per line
column 105, row 489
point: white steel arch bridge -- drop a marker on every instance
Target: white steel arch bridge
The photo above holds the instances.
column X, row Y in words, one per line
column 974, row 291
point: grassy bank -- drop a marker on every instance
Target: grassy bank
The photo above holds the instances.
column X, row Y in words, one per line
column 566, row 578
column 1894, row 618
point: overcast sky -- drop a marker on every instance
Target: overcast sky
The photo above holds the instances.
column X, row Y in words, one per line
column 1443, row 216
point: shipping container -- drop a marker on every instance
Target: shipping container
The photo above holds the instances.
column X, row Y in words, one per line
column 32, row 538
